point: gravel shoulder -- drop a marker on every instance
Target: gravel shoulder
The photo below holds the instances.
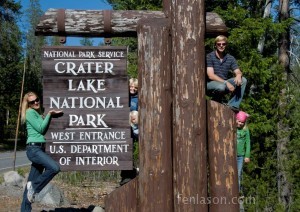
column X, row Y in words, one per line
column 80, row 198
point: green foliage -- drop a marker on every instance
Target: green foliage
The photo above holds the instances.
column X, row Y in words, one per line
column 1, row 179
column 53, row 41
column 264, row 86
column 131, row 44
column 9, row 10
column 136, row 153
column 136, row 4
column 10, row 67
column 23, row 170
column 293, row 149
column 86, row 42
column 33, row 79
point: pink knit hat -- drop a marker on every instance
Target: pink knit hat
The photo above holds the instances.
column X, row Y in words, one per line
column 242, row 116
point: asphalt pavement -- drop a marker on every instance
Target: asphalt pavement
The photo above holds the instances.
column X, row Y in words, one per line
column 7, row 160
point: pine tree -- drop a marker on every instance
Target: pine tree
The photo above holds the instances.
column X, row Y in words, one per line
column 10, row 67
column 33, row 50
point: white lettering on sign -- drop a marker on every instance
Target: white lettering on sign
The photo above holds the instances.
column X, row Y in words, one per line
column 89, row 54
column 58, row 150
column 62, row 136
column 97, row 160
column 91, row 87
column 108, row 54
column 94, row 85
column 85, row 102
column 102, row 136
column 99, row 148
column 87, row 120
column 59, row 54
column 65, row 161
column 84, row 68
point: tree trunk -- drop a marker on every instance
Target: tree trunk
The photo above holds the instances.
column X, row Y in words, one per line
column 284, row 188
column 267, row 12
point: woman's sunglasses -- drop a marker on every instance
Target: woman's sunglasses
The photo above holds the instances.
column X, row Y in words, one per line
column 37, row 100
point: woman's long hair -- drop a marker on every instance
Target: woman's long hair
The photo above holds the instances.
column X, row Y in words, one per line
column 25, row 105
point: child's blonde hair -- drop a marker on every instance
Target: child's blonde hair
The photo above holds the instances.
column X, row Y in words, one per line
column 133, row 113
column 134, row 82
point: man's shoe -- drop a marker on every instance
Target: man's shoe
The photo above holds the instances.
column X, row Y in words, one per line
column 30, row 192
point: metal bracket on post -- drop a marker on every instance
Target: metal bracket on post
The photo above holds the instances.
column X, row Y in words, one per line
column 61, row 27
column 107, row 26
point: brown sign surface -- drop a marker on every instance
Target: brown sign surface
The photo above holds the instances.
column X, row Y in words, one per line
column 90, row 85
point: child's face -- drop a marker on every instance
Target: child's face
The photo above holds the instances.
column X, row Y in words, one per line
column 132, row 89
column 240, row 124
column 133, row 119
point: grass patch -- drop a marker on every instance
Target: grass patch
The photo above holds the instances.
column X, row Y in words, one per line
column 87, row 178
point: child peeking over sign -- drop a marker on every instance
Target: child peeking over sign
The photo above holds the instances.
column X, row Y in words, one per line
column 133, row 94
column 133, row 121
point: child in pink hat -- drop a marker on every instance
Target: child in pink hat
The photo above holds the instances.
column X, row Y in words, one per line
column 242, row 116
column 243, row 143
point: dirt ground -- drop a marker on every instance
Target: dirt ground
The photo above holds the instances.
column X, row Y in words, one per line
column 83, row 198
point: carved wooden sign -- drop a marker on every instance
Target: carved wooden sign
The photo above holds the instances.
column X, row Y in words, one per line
column 90, row 85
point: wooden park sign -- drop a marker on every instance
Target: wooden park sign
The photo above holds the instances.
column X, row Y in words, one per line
column 90, row 85
column 176, row 122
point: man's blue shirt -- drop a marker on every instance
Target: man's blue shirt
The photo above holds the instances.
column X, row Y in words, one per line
column 221, row 69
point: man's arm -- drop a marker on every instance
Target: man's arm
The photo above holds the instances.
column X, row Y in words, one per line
column 212, row 76
column 238, row 77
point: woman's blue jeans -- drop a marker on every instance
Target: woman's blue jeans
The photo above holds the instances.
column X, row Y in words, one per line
column 240, row 162
column 43, row 169
column 220, row 87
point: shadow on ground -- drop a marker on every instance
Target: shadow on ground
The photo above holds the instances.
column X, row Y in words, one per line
column 89, row 209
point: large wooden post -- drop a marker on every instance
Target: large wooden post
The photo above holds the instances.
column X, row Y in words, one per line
column 155, row 115
column 222, row 158
column 189, row 105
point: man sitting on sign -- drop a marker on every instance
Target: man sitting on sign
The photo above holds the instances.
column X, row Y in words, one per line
column 219, row 63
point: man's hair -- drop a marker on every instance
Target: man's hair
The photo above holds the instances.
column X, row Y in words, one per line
column 220, row 38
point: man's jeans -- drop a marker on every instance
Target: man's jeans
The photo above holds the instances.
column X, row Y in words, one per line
column 240, row 162
column 220, row 87
column 43, row 169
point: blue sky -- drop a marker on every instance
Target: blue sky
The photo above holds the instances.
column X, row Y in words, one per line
column 70, row 4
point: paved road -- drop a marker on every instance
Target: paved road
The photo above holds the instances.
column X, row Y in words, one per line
column 7, row 160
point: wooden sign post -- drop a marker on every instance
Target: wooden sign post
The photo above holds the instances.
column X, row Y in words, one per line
column 173, row 109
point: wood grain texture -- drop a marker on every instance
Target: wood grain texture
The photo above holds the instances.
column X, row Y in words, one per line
column 189, row 105
column 223, row 177
column 155, row 123
column 90, row 23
